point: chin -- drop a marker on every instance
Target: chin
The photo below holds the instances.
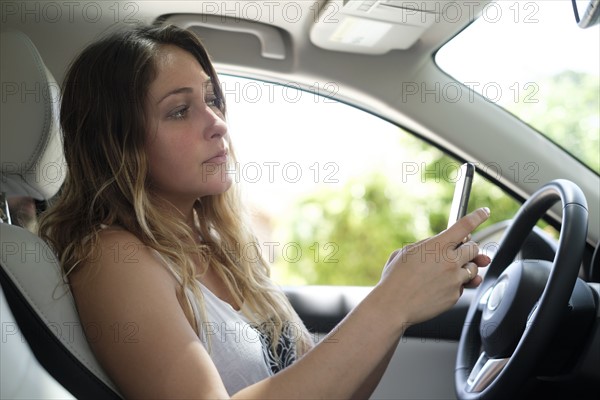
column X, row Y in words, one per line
column 218, row 184
column 216, row 179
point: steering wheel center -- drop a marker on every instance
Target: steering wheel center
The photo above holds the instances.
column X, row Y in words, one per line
column 509, row 304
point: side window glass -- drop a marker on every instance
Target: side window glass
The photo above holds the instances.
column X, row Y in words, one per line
column 333, row 190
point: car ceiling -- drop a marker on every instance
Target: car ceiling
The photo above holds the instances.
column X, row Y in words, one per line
column 476, row 130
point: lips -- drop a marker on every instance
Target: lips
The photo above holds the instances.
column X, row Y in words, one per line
column 219, row 158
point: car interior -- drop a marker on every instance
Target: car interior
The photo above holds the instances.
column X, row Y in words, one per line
column 531, row 328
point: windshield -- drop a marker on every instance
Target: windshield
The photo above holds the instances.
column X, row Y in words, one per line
column 532, row 59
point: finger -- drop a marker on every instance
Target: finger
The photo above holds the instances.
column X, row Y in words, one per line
column 465, row 253
column 467, row 224
column 470, row 271
column 465, row 240
column 482, row 260
column 474, row 282
column 469, row 274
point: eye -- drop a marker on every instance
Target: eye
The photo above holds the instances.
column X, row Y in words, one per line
column 179, row 112
column 215, row 102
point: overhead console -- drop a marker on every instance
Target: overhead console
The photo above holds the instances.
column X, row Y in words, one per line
column 377, row 26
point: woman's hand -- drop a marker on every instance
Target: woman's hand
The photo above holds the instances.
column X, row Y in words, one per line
column 427, row 278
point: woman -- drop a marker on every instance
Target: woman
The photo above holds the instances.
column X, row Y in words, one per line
column 146, row 229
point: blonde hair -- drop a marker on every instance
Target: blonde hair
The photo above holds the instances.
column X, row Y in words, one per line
column 104, row 130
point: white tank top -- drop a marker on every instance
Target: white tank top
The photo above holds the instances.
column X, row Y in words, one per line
column 240, row 351
column 234, row 345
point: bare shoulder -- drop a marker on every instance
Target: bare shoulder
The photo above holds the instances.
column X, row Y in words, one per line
column 120, row 260
column 128, row 305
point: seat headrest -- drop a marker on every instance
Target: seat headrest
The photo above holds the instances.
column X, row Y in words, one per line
column 32, row 159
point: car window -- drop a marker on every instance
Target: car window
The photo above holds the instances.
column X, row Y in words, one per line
column 333, row 190
column 510, row 55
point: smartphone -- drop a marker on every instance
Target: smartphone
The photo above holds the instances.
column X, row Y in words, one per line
column 462, row 190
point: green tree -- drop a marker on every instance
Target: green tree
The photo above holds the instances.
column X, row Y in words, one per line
column 565, row 108
column 347, row 235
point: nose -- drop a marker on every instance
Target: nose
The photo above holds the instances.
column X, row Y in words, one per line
column 216, row 126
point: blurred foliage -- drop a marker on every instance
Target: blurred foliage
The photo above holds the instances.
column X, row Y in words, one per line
column 565, row 108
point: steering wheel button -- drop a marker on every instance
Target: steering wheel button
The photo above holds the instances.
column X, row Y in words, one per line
column 497, row 294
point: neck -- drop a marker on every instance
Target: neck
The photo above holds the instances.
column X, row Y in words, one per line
column 182, row 209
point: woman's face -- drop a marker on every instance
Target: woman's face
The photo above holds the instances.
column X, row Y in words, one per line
column 186, row 144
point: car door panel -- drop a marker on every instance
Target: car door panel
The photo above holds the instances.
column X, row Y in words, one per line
column 427, row 349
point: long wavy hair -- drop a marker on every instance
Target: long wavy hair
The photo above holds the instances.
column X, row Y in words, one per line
column 104, row 132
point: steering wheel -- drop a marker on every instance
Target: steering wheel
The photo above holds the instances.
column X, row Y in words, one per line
column 519, row 304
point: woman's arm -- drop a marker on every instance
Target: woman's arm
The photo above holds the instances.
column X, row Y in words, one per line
column 370, row 384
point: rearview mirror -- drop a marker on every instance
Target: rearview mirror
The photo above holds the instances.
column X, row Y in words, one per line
column 587, row 12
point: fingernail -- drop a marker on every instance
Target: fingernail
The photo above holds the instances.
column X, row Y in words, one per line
column 486, row 210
